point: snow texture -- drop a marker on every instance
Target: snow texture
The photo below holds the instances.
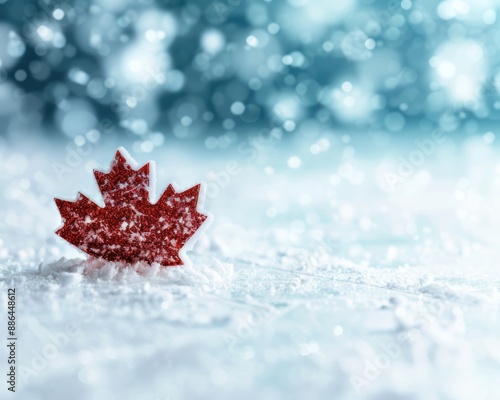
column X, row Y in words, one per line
column 309, row 284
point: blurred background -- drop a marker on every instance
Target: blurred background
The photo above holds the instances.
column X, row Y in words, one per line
column 386, row 98
column 213, row 72
column 349, row 156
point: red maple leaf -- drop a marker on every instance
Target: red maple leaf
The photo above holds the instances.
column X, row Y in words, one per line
column 129, row 227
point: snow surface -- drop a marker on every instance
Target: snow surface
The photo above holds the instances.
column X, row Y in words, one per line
column 313, row 283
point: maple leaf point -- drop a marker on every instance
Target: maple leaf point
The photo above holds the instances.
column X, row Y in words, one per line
column 130, row 228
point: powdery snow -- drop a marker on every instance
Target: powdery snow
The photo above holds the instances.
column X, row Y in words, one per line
column 299, row 290
column 74, row 271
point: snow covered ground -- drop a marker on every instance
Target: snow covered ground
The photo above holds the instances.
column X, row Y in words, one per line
column 315, row 280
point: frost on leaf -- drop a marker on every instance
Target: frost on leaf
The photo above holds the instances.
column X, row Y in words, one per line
column 129, row 227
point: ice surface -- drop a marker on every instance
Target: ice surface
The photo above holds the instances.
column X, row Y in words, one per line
column 301, row 289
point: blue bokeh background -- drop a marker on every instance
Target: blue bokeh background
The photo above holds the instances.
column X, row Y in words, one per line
column 217, row 71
